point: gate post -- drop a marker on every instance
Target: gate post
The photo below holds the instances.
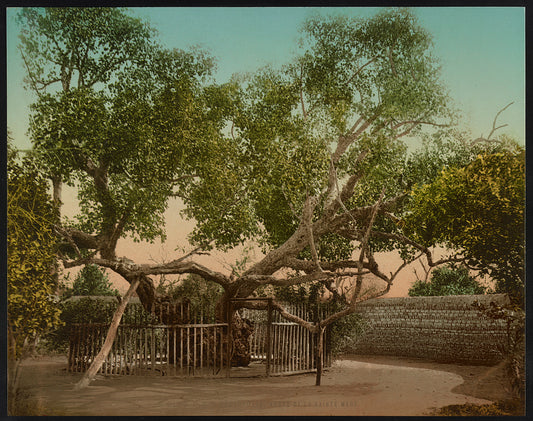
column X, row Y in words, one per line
column 268, row 337
column 230, row 336
column 318, row 354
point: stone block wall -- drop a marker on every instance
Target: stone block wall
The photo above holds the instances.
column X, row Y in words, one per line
column 443, row 329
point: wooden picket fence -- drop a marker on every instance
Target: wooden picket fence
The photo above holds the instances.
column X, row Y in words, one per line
column 172, row 350
column 292, row 347
column 193, row 344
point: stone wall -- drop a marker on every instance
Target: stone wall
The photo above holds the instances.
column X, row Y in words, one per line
column 444, row 329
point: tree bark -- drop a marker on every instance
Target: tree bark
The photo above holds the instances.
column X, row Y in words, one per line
column 13, row 369
column 57, row 188
column 318, row 354
column 111, row 334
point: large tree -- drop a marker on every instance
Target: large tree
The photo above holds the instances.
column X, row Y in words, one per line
column 307, row 160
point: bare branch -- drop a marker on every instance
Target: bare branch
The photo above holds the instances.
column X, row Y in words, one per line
column 81, row 239
column 426, row 271
column 417, row 122
column 292, row 318
column 364, row 245
column 340, row 222
column 346, row 140
column 78, row 262
column 293, row 280
column 347, row 190
column 33, row 80
column 494, row 128
column 423, row 249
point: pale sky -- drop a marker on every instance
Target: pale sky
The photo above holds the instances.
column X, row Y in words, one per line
column 482, row 52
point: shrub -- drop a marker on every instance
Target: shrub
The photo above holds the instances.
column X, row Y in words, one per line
column 89, row 310
column 91, row 280
column 512, row 407
column 202, row 295
column 448, row 280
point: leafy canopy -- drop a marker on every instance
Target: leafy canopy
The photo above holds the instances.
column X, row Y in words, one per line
column 133, row 130
column 376, row 74
column 31, row 248
column 79, row 46
column 479, row 210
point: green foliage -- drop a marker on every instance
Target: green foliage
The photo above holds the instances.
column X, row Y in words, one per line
column 285, row 123
column 86, row 310
column 300, row 294
column 31, row 253
column 448, row 280
column 202, row 295
column 130, row 125
column 79, row 46
column 90, row 310
column 479, row 210
column 91, row 280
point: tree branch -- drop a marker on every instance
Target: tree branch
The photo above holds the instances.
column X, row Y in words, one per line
column 360, row 69
column 307, row 219
column 494, row 128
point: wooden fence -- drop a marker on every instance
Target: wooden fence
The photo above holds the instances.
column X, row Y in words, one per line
column 193, row 344
column 169, row 340
column 292, row 347
column 174, row 350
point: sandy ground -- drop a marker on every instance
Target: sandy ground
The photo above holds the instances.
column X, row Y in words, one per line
column 355, row 385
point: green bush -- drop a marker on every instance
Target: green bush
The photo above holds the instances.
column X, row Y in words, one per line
column 85, row 310
column 91, row 280
column 447, row 280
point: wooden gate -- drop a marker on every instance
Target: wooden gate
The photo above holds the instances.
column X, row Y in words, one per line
column 286, row 347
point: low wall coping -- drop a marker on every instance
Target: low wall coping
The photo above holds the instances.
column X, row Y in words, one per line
column 448, row 301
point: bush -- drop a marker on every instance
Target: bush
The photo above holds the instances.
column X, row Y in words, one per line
column 512, row 407
column 89, row 310
column 91, row 280
column 86, row 310
column 447, row 280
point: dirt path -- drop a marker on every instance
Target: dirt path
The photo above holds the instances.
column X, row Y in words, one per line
column 354, row 386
